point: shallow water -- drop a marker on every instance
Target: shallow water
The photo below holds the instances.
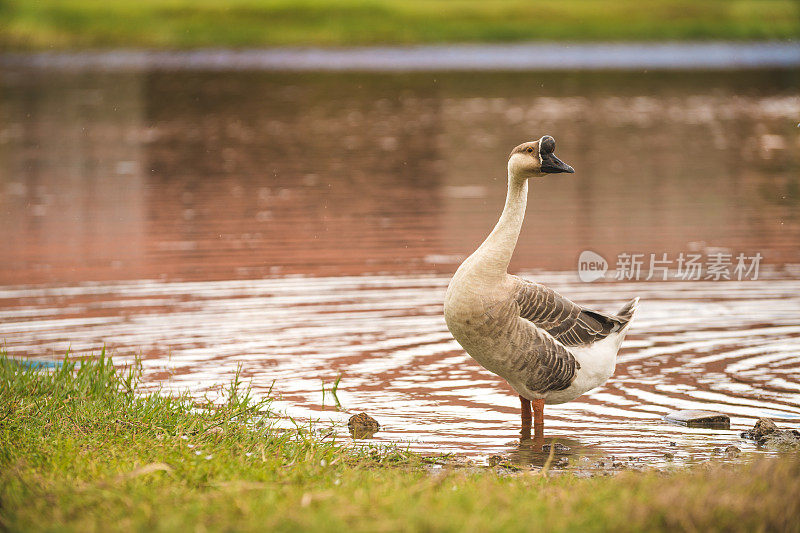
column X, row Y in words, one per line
column 435, row 58
column 305, row 227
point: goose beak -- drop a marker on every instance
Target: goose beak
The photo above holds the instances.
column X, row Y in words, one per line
column 553, row 165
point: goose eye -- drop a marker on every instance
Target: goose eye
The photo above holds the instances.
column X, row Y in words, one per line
column 529, row 149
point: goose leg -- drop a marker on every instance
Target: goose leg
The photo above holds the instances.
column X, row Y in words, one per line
column 538, row 415
column 526, row 412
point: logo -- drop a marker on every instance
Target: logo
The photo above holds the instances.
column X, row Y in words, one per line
column 591, row 266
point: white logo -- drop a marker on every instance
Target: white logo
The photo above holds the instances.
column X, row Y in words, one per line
column 591, row 266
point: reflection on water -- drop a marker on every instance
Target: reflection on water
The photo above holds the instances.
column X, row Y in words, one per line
column 304, row 225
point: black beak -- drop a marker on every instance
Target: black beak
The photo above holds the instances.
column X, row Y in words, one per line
column 553, row 165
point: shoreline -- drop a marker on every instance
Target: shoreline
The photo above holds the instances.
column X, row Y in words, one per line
column 718, row 55
column 82, row 450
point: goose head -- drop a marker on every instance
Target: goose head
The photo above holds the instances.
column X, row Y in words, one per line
column 536, row 159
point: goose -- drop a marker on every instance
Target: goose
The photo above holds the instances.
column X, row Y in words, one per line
column 548, row 348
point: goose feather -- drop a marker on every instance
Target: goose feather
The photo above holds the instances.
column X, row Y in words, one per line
column 546, row 346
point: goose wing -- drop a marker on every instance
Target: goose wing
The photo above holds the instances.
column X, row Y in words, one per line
column 567, row 322
column 543, row 361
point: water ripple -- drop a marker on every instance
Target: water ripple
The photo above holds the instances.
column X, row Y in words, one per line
column 692, row 345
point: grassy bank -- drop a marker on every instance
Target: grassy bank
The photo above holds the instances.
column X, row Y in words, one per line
column 81, row 450
column 62, row 24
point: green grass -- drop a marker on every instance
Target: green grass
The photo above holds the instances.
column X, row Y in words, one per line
column 65, row 24
column 82, row 450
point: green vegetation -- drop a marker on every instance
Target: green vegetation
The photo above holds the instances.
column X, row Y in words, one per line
column 64, row 24
column 81, row 450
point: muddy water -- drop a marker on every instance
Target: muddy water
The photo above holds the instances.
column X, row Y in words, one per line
column 304, row 226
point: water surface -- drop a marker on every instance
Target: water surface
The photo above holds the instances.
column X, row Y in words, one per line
column 304, row 226
column 436, row 58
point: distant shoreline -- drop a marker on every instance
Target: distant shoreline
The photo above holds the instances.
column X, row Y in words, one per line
column 466, row 57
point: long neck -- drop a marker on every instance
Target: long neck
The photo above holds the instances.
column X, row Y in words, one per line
column 493, row 256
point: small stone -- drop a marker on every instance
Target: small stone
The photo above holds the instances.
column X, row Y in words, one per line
column 762, row 428
column 495, row 460
column 669, row 456
column 557, row 448
column 362, row 426
column 696, row 418
column 767, row 434
column 781, row 439
column 673, row 443
column 562, row 462
column 732, row 451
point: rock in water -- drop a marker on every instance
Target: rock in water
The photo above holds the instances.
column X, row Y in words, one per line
column 782, row 439
column 732, row 451
column 696, row 418
column 557, row 448
column 763, row 427
column 766, row 433
column 362, row 426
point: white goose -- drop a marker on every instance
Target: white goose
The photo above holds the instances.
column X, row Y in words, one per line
column 549, row 349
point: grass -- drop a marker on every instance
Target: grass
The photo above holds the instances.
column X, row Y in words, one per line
column 68, row 24
column 82, row 450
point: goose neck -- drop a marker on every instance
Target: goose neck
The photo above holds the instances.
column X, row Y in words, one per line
column 495, row 253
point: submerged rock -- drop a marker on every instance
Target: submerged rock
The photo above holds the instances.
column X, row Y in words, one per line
column 557, row 448
column 732, row 451
column 767, row 434
column 783, row 439
column 763, row 427
column 696, row 418
column 362, row 426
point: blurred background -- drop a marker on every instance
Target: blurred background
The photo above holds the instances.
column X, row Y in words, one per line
column 60, row 24
column 161, row 194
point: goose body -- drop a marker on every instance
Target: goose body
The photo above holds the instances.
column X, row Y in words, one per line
column 549, row 349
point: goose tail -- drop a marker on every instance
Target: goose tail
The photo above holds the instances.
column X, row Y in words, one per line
column 626, row 313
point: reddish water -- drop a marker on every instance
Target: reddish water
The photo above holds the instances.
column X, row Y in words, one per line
column 305, row 226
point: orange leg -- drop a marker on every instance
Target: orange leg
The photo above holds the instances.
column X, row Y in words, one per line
column 538, row 412
column 526, row 412
column 538, row 419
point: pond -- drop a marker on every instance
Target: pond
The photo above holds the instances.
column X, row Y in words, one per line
column 304, row 226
